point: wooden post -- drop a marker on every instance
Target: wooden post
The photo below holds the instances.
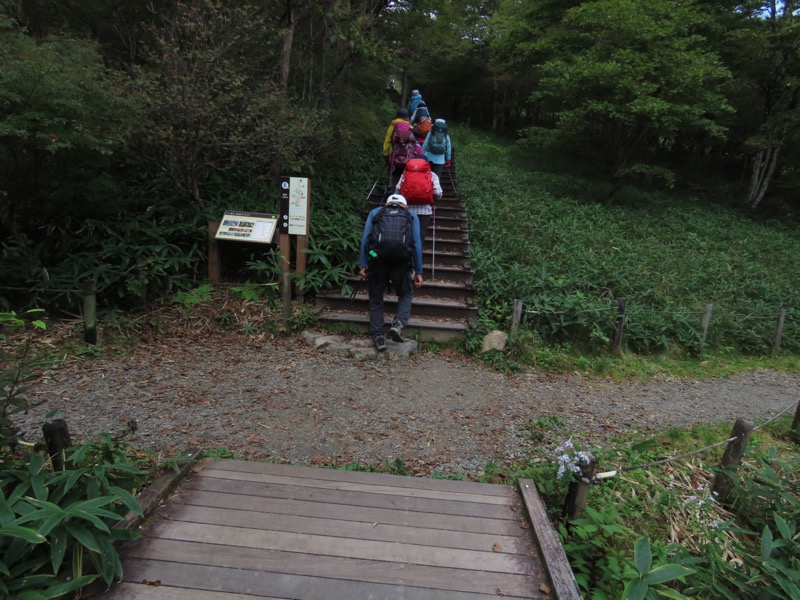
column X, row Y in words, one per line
column 302, row 261
column 142, row 276
column 616, row 342
column 56, row 435
column 776, row 340
column 732, row 458
column 214, row 259
column 706, row 321
column 575, row 503
column 516, row 317
column 286, row 281
column 796, row 421
column 89, row 312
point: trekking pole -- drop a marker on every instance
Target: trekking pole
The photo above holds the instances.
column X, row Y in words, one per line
column 372, row 190
column 433, row 259
column 452, row 183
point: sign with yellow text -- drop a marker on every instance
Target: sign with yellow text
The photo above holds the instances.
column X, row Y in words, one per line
column 247, row 227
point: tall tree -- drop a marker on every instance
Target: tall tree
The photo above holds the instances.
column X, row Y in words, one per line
column 632, row 76
column 215, row 100
column 764, row 53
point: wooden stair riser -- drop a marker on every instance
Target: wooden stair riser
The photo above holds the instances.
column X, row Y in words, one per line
column 421, row 307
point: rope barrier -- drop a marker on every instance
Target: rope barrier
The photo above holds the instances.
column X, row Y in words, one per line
column 635, row 310
column 654, row 463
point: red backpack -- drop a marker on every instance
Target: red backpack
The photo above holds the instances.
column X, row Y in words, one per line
column 417, row 186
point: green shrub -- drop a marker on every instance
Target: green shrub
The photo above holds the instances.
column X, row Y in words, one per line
column 54, row 524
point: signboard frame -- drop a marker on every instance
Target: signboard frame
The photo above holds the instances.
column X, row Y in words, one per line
column 240, row 226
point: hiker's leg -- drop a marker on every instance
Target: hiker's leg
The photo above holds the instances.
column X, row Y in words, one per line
column 424, row 224
column 437, row 169
column 377, row 286
column 405, row 294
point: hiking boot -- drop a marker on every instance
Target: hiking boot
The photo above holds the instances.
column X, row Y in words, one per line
column 396, row 332
column 380, row 342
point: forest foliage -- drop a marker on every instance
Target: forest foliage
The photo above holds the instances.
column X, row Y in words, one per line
column 125, row 127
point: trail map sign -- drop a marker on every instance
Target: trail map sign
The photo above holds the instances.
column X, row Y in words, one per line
column 247, row 227
column 295, row 199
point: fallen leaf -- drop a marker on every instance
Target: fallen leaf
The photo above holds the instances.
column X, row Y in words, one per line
column 155, row 583
column 496, row 548
column 544, row 588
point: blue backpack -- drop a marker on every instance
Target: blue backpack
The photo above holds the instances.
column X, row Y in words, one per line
column 437, row 143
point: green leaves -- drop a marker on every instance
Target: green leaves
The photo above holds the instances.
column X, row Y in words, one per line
column 649, row 580
column 50, row 521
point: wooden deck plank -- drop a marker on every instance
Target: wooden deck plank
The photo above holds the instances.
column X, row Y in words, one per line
column 391, row 552
column 389, row 490
column 376, row 531
column 552, row 552
column 467, row 509
column 277, row 532
column 282, row 585
column 340, row 512
column 143, row 591
column 338, row 568
column 370, row 478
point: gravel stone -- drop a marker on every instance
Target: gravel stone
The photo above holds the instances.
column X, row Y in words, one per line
column 285, row 401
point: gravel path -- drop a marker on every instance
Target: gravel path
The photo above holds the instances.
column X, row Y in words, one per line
column 283, row 401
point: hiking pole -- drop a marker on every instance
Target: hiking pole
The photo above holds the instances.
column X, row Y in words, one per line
column 433, row 259
column 452, row 183
column 372, row 190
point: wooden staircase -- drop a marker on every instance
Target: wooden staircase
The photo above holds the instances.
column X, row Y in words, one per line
column 444, row 307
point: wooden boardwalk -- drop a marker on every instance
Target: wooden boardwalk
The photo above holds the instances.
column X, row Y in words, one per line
column 239, row 529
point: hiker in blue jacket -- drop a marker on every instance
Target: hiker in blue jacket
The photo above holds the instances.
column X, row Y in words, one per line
column 416, row 98
column 379, row 274
column 437, row 147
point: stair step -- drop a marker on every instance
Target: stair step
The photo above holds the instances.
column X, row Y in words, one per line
column 438, row 287
column 422, row 306
column 421, row 328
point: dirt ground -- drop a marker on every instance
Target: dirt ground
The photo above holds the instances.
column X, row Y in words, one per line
column 281, row 400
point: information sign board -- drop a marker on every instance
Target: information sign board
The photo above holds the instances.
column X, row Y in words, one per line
column 247, row 227
column 295, row 200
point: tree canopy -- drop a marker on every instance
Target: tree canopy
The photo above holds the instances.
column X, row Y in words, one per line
column 107, row 108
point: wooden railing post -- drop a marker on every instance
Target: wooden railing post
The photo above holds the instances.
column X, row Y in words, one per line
column 796, row 421
column 89, row 312
column 575, row 502
column 732, row 458
column 616, row 342
column 56, row 436
column 706, row 321
column 516, row 317
column 776, row 340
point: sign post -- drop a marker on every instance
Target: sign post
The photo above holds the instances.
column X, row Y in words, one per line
column 295, row 204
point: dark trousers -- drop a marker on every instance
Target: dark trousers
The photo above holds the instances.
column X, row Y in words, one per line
column 424, row 225
column 380, row 276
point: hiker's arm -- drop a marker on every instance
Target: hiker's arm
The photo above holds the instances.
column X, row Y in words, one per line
column 417, row 280
column 362, row 261
column 417, row 245
column 437, row 185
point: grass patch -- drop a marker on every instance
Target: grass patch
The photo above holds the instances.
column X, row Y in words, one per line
column 544, row 238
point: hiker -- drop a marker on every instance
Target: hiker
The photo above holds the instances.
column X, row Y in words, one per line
column 437, row 147
column 421, row 121
column 391, row 250
column 399, row 145
column 399, row 117
column 404, row 145
column 416, row 98
column 421, row 188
